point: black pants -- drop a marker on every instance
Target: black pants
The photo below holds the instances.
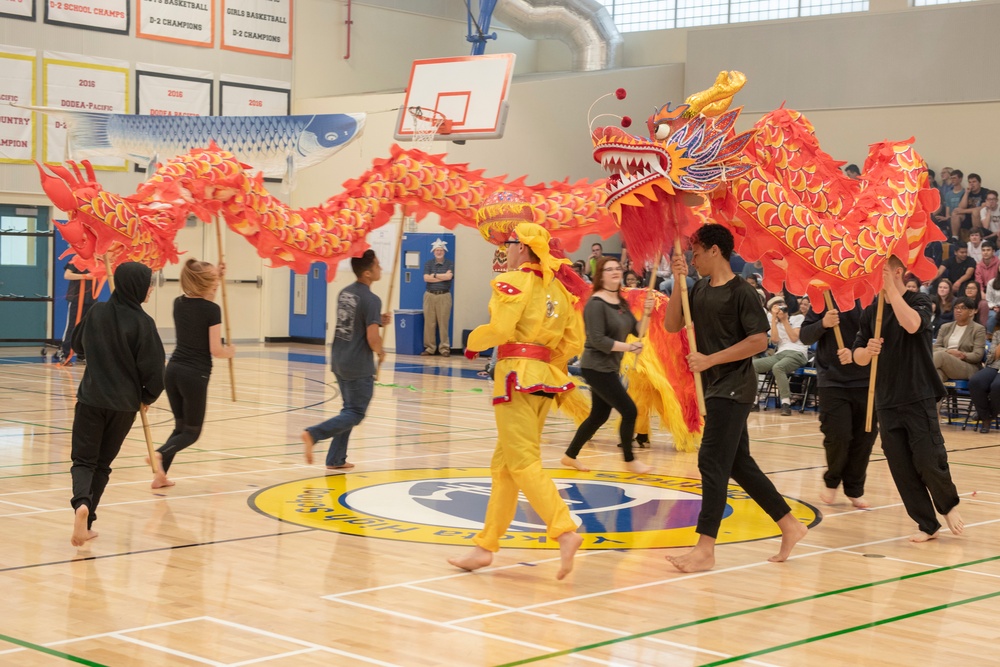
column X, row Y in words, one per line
column 606, row 392
column 187, row 391
column 984, row 387
column 842, row 413
column 918, row 461
column 725, row 453
column 98, row 435
column 73, row 307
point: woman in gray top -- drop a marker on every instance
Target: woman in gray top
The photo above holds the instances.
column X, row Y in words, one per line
column 608, row 321
column 984, row 387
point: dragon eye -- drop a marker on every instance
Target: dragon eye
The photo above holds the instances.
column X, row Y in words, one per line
column 662, row 131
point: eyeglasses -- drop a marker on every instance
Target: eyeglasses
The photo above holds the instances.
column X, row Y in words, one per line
column 512, row 243
column 612, row 268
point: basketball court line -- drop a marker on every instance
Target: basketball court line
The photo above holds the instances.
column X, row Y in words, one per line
column 308, row 647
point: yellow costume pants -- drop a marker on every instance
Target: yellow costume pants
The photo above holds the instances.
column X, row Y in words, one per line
column 517, row 466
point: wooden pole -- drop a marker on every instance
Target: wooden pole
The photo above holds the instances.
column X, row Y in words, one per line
column 142, row 408
column 110, row 277
column 874, row 364
column 392, row 288
column 828, row 296
column 692, row 343
column 225, row 308
column 646, row 312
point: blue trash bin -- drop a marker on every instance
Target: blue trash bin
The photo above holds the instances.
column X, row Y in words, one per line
column 409, row 331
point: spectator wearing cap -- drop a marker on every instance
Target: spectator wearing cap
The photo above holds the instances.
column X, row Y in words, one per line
column 852, row 171
column 790, row 354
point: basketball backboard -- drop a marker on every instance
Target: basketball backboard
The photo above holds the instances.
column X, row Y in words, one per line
column 471, row 92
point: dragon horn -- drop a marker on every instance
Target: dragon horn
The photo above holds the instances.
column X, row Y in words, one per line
column 57, row 189
column 91, row 176
column 716, row 99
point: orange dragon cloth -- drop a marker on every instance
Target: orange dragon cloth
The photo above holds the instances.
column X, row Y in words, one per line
column 816, row 229
column 211, row 184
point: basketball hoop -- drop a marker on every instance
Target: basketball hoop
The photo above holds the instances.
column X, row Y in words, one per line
column 427, row 123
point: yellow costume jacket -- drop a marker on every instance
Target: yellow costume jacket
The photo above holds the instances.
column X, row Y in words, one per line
column 523, row 310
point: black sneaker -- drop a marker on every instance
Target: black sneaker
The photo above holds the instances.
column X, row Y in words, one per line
column 786, row 410
column 642, row 439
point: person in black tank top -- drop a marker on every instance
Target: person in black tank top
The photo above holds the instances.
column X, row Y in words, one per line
column 198, row 322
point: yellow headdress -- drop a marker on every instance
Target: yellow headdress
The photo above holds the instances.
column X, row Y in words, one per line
column 537, row 238
column 500, row 213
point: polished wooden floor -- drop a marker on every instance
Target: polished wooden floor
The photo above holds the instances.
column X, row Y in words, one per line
column 192, row 575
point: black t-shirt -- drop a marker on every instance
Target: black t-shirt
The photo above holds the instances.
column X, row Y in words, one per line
column 832, row 373
column 974, row 199
column 954, row 270
column 906, row 371
column 723, row 316
column 73, row 290
column 192, row 319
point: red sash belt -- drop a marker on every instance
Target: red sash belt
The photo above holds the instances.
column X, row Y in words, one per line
column 524, row 351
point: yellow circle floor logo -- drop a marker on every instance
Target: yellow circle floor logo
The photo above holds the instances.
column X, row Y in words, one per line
column 447, row 506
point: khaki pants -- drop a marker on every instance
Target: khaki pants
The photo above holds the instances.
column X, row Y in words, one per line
column 437, row 313
column 953, row 368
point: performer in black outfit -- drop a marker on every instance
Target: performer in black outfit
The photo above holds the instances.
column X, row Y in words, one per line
column 79, row 297
column 124, row 374
column 731, row 328
column 907, row 388
column 198, row 322
column 843, row 403
column 608, row 322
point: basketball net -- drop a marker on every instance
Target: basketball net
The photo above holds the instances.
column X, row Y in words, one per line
column 426, row 124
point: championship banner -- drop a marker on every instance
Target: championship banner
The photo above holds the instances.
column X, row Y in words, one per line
column 17, row 86
column 243, row 96
column 81, row 83
column 190, row 22
column 171, row 91
column 263, row 27
column 18, row 9
column 102, row 15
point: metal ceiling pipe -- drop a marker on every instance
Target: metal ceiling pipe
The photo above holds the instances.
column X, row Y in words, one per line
column 583, row 25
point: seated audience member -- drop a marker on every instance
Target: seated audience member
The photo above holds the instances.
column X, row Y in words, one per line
column 989, row 217
column 984, row 387
column 989, row 267
column 941, row 305
column 952, row 193
column 932, row 180
column 667, row 284
column 804, row 305
column 993, row 303
column 968, row 209
column 852, row 172
column 790, row 355
column 631, row 280
column 958, row 269
column 580, row 267
column 754, row 280
column 980, row 312
column 960, row 345
column 912, row 283
column 975, row 245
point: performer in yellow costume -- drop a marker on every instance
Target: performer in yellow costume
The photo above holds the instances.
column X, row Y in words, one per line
column 537, row 331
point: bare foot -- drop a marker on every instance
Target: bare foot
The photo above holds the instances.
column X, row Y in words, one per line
column 637, row 467
column 159, row 477
column 828, row 495
column 954, row 521
column 696, row 560
column 921, row 536
column 860, row 503
column 573, row 463
column 473, row 559
column 568, row 545
column 80, row 531
column 343, row 466
column 791, row 532
column 309, row 443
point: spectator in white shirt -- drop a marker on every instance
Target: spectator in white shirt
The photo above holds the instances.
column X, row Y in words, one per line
column 790, row 354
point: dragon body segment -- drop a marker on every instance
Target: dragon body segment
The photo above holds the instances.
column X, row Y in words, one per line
column 211, row 183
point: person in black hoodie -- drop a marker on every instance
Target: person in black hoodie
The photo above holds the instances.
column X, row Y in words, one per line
column 843, row 403
column 124, row 374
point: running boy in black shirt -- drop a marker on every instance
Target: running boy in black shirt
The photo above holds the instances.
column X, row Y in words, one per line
column 907, row 389
column 731, row 328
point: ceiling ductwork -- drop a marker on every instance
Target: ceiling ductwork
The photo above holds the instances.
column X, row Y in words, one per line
column 583, row 25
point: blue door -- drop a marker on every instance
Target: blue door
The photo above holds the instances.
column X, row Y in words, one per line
column 414, row 252
column 307, row 310
column 25, row 239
